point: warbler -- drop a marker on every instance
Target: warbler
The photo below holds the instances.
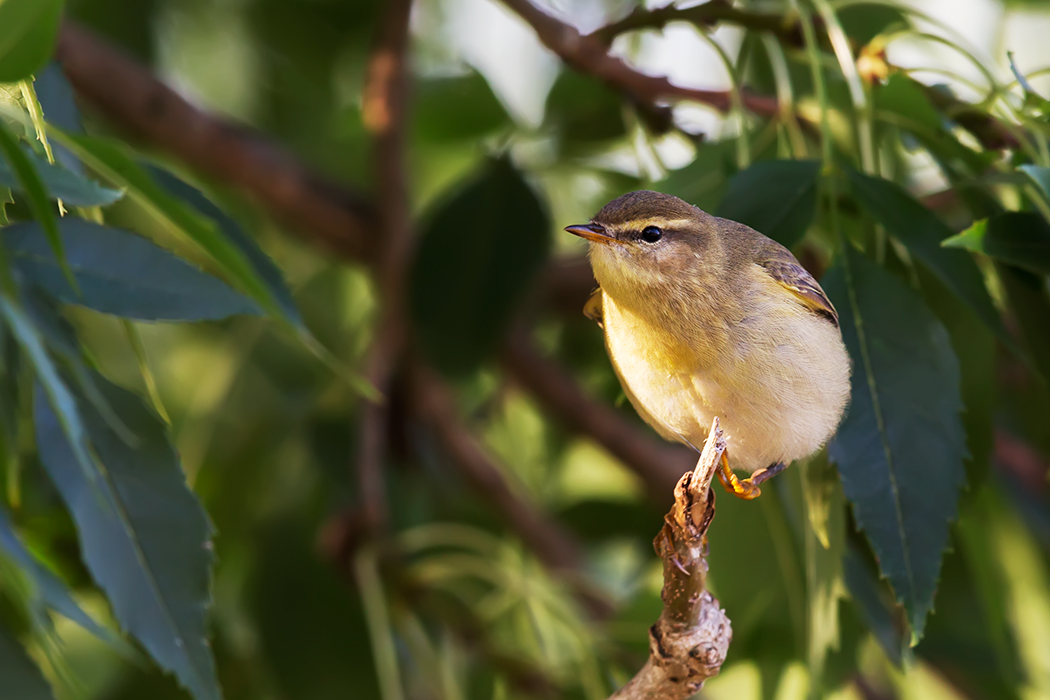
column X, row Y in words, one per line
column 706, row 317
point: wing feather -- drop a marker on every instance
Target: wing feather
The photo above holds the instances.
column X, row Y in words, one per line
column 782, row 266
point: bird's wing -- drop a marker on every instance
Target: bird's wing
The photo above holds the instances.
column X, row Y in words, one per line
column 593, row 308
column 782, row 266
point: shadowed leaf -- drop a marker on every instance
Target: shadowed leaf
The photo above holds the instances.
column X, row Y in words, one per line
column 475, row 260
column 777, row 198
column 63, row 184
column 922, row 232
column 50, row 591
column 143, row 534
column 19, row 676
column 1021, row 239
column 271, row 275
column 122, row 274
column 901, row 448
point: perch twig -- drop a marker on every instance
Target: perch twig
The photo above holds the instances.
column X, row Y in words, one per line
column 688, row 644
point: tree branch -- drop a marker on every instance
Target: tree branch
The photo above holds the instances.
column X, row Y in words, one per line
column 140, row 105
column 689, row 643
column 434, row 403
column 588, row 54
column 385, row 95
column 705, row 15
column 657, row 463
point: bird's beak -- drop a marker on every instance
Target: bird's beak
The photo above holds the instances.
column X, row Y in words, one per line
column 592, row 232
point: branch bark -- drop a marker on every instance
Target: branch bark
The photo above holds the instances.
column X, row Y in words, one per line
column 689, row 643
column 659, row 464
column 588, row 54
column 145, row 109
column 433, row 402
column 385, row 97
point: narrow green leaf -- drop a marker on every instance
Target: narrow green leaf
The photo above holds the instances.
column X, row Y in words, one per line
column 1019, row 238
column 51, row 590
column 28, row 29
column 36, row 194
column 922, row 232
column 19, row 676
column 122, row 274
column 143, row 534
column 63, row 184
column 265, row 267
column 58, row 394
column 112, row 163
column 825, row 544
column 777, row 198
column 476, row 258
column 901, row 448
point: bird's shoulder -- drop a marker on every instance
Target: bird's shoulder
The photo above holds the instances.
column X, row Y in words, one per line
column 778, row 262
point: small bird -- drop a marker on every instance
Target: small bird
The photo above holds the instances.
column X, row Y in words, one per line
column 706, row 317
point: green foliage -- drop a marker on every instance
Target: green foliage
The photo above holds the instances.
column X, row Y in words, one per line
column 122, row 274
column 916, row 547
column 27, row 36
column 143, row 534
column 475, row 261
column 901, row 447
column 776, row 197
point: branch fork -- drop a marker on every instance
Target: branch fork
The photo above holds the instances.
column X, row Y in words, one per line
column 689, row 643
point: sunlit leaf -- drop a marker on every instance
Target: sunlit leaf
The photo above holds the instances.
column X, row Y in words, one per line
column 777, row 198
column 475, row 260
column 922, row 232
column 21, row 678
column 825, row 546
column 904, row 420
column 27, row 36
column 1021, row 239
column 143, row 534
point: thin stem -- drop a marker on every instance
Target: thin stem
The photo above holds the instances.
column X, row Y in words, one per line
column 743, row 145
column 36, row 113
column 377, row 619
column 785, row 94
column 848, row 65
column 135, row 340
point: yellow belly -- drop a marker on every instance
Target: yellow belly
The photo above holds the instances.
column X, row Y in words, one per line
column 778, row 389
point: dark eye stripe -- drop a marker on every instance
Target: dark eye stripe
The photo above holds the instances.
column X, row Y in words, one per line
column 651, row 234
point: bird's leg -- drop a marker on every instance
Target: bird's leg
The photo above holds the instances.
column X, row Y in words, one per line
column 746, row 489
column 767, row 473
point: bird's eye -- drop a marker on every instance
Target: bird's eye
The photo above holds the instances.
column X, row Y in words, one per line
column 651, row 234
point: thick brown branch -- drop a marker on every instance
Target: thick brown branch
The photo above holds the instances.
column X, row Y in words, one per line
column 588, row 54
column 688, row 644
column 146, row 109
column 434, row 403
column 657, row 463
column 705, row 15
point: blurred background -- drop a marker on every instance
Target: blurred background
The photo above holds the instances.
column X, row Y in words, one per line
column 501, row 547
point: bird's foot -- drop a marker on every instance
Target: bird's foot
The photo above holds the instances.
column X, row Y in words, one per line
column 746, row 489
